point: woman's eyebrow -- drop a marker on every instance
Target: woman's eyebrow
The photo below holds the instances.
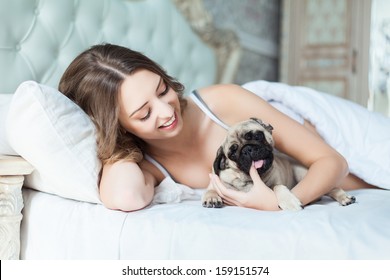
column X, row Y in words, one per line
column 143, row 105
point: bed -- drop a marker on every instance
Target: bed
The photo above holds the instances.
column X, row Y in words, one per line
column 63, row 218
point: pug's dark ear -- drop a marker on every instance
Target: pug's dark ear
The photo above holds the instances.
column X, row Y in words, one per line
column 219, row 162
column 267, row 126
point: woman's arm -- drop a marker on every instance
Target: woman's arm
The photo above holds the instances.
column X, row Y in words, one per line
column 125, row 186
column 326, row 167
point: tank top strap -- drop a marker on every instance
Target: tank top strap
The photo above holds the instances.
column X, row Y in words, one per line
column 158, row 165
column 203, row 106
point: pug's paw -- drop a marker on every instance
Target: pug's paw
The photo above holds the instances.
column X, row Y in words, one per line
column 348, row 199
column 286, row 199
column 212, row 200
column 342, row 197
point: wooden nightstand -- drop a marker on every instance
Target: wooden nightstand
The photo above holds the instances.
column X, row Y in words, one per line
column 12, row 171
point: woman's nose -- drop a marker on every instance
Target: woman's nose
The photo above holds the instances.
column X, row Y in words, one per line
column 165, row 110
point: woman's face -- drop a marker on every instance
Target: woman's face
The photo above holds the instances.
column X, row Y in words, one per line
column 148, row 108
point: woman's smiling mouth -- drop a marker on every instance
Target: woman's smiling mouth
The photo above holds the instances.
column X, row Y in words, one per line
column 169, row 124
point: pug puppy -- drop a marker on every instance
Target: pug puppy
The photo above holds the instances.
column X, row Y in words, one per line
column 251, row 141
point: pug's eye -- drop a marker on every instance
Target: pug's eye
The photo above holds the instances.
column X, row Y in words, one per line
column 248, row 135
column 258, row 136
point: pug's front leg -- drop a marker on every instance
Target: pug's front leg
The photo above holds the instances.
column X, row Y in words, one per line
column 211, row 199
column 286, row 199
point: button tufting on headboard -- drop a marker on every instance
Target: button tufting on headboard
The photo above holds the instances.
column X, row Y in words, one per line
column 38, row 39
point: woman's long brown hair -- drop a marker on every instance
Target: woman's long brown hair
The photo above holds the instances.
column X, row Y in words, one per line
column 93, row 81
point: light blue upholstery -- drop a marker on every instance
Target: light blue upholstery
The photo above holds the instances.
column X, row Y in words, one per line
column 38, row 39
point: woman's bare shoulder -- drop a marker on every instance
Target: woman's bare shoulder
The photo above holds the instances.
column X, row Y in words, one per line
column 215, row 92
column 232, row 103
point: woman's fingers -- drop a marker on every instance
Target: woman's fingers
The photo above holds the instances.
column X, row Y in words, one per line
column 217, row 184
column 229, row 196
column 254, row 175
column 258, row 197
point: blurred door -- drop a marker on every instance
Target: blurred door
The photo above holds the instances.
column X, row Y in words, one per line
column 380, row 57
column 325, row 45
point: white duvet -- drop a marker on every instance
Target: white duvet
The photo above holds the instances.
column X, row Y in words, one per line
column 361, row 136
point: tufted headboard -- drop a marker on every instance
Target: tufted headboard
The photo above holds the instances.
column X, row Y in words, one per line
column 39, row 38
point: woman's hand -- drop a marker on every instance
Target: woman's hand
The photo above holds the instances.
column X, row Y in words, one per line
column 259, row 196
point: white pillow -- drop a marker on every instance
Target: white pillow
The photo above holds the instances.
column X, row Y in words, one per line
column 58, row 139
column 5, row 148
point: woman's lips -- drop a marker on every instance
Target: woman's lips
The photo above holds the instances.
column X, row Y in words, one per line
column 170, row 124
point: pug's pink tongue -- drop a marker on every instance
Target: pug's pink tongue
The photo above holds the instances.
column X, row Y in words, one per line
column 258, row 164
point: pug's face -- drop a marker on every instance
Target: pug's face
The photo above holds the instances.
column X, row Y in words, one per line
column 246, row 142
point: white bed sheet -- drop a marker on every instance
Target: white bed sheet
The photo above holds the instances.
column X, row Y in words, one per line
column 58, row 228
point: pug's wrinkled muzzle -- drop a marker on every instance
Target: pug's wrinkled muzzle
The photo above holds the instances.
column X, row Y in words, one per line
column 261, row 155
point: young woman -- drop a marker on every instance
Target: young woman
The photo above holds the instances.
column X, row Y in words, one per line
column 146, row 128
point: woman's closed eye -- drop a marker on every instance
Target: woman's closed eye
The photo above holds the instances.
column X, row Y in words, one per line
column 162, row 93
column 146, row 116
